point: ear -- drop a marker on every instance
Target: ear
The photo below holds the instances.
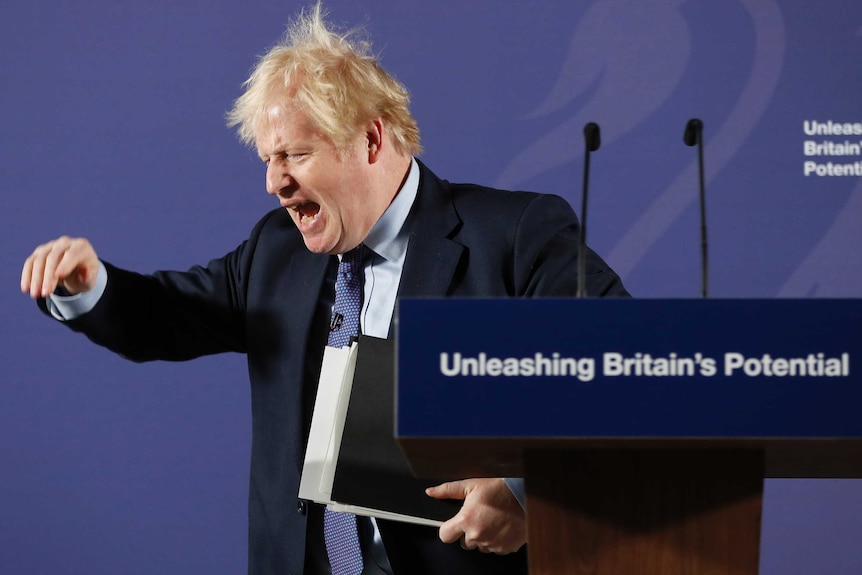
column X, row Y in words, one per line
column 374, row 139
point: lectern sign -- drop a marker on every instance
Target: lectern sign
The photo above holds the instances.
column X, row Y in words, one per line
column 583, row 368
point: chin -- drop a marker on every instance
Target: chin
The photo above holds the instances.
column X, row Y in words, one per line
column 316, row 247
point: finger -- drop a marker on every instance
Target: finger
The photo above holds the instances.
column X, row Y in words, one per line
column 74, row 261
column 468, row 544
column 27, row 273
column 32, row 271
column 450, row 490
column 49, row 273
column 451, row 531
column 37, row 271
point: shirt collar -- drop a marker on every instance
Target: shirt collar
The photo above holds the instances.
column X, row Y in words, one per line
column 388, row 238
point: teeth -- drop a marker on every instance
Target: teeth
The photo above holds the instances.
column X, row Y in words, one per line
column 304, row 217
column 306, row 212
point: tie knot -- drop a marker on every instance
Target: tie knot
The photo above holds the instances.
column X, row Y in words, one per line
column 355, row 259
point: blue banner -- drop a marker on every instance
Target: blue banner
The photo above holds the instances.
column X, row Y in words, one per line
column 630, row 368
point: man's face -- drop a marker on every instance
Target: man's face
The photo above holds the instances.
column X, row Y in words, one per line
column 330, row 196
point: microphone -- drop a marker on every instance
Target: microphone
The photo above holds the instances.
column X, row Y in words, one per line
column 693, row 136
column 593, row 137
column 592, row 141
column 693, row 130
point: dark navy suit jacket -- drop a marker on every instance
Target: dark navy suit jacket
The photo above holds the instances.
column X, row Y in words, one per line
column 269, row 299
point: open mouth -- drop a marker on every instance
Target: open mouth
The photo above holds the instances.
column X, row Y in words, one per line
column 307, row 211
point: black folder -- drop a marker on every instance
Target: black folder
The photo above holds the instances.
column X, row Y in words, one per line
column 371, row 473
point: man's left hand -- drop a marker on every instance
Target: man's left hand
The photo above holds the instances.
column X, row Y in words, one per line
column 491, row 519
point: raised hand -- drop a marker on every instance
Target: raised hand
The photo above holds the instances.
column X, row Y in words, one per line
column 69, row 262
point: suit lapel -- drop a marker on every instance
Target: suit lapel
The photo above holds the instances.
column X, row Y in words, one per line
column 432, row 257
column 301, row 274
column 302, row 283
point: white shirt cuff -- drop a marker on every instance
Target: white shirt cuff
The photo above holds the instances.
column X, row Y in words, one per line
column 65, row 308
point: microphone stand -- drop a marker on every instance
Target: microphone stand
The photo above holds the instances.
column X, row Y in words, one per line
column 592, row 141
column 694, row 136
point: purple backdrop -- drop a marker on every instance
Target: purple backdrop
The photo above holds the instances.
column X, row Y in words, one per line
column 113, row 129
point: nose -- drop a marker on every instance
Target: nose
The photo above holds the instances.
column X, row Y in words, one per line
column 278, row 178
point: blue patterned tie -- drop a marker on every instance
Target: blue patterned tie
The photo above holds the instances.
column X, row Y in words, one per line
column 339, row 529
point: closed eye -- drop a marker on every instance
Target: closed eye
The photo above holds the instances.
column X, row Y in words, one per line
column 285, row 157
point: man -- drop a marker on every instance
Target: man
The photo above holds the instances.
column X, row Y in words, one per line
column 338, row 141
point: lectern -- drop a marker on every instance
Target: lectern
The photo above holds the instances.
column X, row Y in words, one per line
column 643, row 428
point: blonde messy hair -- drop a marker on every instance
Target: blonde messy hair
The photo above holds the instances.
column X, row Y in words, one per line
column 333, row 79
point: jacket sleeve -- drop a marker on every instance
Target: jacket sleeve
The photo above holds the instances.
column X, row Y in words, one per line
column 173, row 315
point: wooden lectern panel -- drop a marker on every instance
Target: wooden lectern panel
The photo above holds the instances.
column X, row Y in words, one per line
column 640, row 512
